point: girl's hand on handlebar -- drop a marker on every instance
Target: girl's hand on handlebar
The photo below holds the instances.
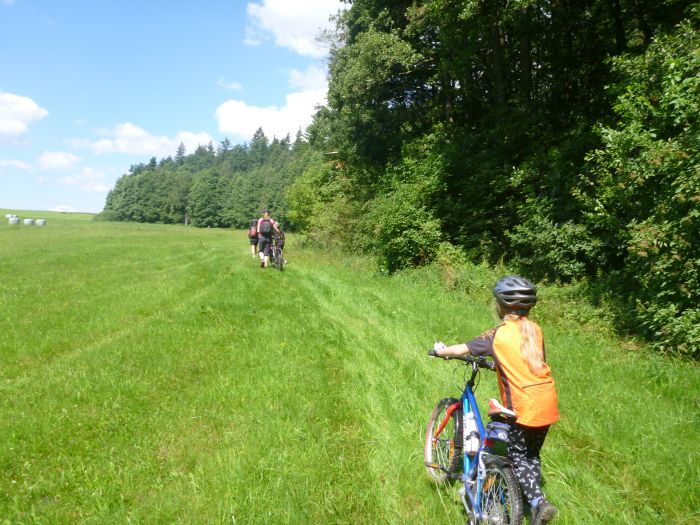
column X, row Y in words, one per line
column 439, row 345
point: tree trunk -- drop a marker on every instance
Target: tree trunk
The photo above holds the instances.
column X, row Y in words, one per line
column 447, row 93
column 498, row 72
column 620, row 37
column 525, row 56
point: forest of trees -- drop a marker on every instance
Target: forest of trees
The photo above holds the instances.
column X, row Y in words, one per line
column 557, row 136
column 208, row 188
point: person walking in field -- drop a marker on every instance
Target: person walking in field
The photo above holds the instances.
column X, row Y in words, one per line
column 524, row 380
column 266, row 227
column 253, row 237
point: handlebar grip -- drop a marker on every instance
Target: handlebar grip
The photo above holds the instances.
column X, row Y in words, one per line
column 491, row 365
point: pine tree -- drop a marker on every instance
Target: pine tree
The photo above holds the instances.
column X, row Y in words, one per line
column 180, row 154
column 224, row 147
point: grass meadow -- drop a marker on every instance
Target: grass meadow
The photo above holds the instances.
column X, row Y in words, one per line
column 155, row 374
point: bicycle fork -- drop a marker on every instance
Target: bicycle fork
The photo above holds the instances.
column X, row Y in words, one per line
column 471, row 497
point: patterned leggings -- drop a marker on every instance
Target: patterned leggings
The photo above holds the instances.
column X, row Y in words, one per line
column 525, row 445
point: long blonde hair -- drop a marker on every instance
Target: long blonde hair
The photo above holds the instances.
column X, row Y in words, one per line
column 531, row 342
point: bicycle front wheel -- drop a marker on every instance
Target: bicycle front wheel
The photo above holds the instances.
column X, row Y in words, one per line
column 501, row 500
column 443, row 450
column 279, row 262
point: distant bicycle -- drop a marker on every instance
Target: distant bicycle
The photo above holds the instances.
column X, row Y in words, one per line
column 458, row 447
column 276, row 257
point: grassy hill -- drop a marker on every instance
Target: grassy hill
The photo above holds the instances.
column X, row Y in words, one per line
column 155, row 374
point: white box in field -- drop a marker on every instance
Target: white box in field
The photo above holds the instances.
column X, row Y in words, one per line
column 13, row 220
column 28, row 222
column 40, row 222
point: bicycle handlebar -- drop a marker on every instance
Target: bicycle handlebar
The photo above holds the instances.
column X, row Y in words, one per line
column 479, row 361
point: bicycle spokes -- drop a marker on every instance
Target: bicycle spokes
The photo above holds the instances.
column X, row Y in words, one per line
column 444, row 448
column 496, row 506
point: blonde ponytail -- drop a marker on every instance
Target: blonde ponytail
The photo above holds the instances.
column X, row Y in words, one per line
column 531, row 343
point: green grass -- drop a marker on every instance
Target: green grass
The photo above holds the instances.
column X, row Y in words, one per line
column 155, row 374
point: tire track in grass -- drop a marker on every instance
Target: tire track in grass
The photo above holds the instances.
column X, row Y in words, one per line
column 387, row 407
column 346, row 335
column 310, row 466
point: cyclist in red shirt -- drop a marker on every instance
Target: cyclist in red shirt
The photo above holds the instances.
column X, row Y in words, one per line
column 525, row 382
column 253, row 237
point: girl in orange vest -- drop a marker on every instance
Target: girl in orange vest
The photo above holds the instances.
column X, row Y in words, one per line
column 524, row 380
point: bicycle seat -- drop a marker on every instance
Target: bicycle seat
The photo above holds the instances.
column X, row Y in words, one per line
column 499, row 411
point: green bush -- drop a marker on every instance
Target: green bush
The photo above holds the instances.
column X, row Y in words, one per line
column 560, row 252
column 676, row 332
column 401, row 222
column 644, row 197
column 405, row 234
column 320, row 206
column 106, row 215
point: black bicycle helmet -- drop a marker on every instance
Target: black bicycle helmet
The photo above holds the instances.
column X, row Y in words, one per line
column 515, row 293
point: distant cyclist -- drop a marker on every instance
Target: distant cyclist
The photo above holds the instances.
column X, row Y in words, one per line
column 525, row 381
column 253, row 237
column 278, row 236
column 266, row 227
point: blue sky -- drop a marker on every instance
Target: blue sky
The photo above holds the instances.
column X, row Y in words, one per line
column 90, row 87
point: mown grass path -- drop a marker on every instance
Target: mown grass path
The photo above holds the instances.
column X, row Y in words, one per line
column 155, row 374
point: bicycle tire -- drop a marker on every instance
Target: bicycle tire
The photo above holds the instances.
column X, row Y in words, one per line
column 501, row 499
column 443, row 454
column 278, row 262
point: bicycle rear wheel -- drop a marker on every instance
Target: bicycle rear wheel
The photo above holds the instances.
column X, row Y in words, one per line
column 501, row 499
column 443, row 451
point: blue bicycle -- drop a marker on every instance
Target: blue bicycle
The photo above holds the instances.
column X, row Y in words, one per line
column 459, row 447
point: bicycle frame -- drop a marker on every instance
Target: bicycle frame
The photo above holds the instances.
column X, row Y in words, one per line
column 471, row 464
column 470, row 468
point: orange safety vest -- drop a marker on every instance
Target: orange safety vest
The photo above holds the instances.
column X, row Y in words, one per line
column 533, row 397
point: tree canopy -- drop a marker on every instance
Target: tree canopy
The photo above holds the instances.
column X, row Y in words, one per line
column 560, row 137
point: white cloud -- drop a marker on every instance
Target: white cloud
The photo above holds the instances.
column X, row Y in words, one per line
column 94, row 187
column 131, row 139
column 7, row 2
column 314, row 78
column 237, row 118
column 57, row 160
column 294, row 25
column 16, row 113
column 89, row 180
column 235, row 86
column 89, row 173
column 91, row 187
column 20, row 165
